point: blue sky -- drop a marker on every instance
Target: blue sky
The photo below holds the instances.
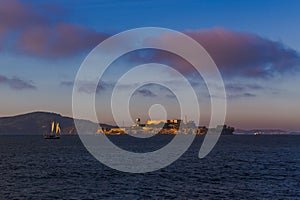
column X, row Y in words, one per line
column 261, row 82
column 274, row 19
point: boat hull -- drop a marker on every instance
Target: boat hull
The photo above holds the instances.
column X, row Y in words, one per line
column 51, row 137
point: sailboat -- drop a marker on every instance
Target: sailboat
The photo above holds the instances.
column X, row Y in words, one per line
column 54, row 133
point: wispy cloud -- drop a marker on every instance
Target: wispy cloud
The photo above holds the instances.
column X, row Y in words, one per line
column 146, row 93
column 238, row 87
column 241, row 95
column 238, row 90
column 88, row 86
column 16, row 83
column 67, row 83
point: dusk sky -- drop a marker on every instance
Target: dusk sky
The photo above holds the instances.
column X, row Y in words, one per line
column 255, row 45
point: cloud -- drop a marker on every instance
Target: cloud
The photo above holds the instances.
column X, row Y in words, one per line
column 246, row 94
column 234, row 87
column 247, row 54
column 67, row 83
column 60, row 40
column 15, row 15
column 241, row 95
column 145, row 93
column 235, row 53
column 145, row 90
column 171, row 96
column 237, row 90
column 39, row 33
column 87, row 86
column 16, row 83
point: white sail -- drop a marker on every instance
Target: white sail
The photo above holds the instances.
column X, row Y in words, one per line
column 57, row 128
column 52, row 127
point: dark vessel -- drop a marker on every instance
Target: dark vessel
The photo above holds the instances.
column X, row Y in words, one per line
column 54, row 134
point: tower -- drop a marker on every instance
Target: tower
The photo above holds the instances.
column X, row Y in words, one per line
column 185, row 119
column 137, row 121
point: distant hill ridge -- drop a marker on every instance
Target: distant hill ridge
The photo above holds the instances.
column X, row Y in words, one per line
column 37, row 123
column 264, row 131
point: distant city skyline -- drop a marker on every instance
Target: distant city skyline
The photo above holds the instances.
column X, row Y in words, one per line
column 255, row 44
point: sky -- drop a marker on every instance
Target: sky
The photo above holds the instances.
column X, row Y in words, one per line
column 255, row 45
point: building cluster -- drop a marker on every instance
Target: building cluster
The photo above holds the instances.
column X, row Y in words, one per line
column 173, row 126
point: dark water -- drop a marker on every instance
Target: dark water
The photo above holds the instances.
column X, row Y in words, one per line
column 239, row 167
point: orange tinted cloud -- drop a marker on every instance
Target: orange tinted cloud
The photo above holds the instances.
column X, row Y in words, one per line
column 235, row 53
column 39, row 33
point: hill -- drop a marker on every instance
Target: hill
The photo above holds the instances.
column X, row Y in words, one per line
column 37, row 123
